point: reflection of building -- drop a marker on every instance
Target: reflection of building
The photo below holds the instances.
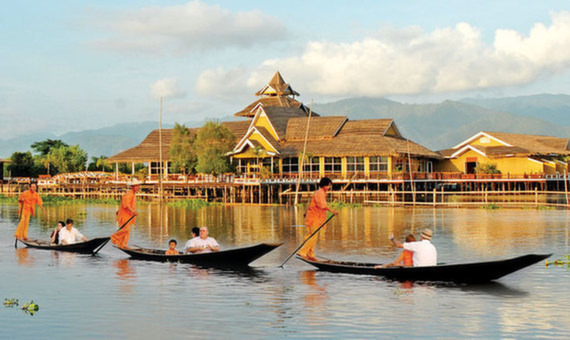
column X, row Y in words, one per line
column 511, row 153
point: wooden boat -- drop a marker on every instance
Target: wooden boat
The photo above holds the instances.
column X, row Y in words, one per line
column 225, row 258
column 89, row 247
column 476, row 272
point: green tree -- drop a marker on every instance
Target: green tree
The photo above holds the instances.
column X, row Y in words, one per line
column 487, row 168
column 213, row 142
column 99, row 164
column 69, row 158
column 44, row 147
column 182, row 152
column 23, row 165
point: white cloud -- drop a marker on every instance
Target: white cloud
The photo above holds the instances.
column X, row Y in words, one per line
column 166, row 88
column 193, row 26
column 410, row 61
column 221, row 82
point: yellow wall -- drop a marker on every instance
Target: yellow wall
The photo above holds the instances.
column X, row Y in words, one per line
column 513, row 165
column 262, row 121
column 550, row 168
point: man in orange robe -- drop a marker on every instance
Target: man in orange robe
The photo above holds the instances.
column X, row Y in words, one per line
column 316, row 216
column 27, row 200
column 127, row 209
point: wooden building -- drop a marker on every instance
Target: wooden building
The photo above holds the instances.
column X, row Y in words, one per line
column 272, row 138
column 510, row 153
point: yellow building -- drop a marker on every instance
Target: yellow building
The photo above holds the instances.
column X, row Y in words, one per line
column 511, row 153
column 335, row 146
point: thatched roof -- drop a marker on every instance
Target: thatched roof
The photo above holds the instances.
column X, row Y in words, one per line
column 514, row 144
column 251, row 109
column 148, row 149
column 535, row 144
column 277, row 87
column 319, row 127
column 280, row 116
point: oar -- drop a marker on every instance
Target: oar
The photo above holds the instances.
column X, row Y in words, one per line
column 19, row 220
column 125, row 224
column 308, row 238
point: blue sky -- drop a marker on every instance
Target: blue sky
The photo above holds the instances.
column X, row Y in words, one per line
column 76, row 65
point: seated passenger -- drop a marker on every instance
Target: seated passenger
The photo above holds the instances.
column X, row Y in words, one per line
column 172, row 248
column 69, row 234
column 54, row 237
column 195, row 233
column 202, row 244
column 405, row 259
column 425, row 253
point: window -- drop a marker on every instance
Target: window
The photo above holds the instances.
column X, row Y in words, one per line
column 379, row 164
column 155, row 168
column 401, row 165
column 354, row 164
column 290, row 164
column 333, row 165
column 312, row 165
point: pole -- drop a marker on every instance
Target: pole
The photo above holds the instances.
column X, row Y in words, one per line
column 411, row 174
column 160, row 153
column 308, row 238
column 566, row 186
column 303, row 156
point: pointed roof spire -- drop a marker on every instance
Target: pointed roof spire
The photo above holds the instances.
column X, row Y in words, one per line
column 277, row 87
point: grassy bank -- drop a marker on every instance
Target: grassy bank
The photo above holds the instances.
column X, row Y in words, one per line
column 57, row 200
column 191, row 203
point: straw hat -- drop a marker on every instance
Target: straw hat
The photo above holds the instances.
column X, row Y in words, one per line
column 426, row 234
column 134, row 181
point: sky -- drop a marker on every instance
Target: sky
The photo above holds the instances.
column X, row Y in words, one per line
column 77, row 65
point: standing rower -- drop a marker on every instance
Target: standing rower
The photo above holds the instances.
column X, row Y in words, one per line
column 27, row 200
column 316, row 216
column 127, row 209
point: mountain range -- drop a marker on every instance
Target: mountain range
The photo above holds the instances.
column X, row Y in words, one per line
column 436, row 126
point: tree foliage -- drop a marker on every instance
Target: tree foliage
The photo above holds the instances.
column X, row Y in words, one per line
column 44, row 147
column 182, row 152
column 99, row 164
column 69, row 158
column 487, row 168
column 213, row 142
column 23, row 165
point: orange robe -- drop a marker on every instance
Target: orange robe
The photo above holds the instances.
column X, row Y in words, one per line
column 28, row 201
column 126, row 209
column 316, row 216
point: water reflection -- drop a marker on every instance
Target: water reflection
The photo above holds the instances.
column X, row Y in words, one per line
column 23, row 257
column 316, row 297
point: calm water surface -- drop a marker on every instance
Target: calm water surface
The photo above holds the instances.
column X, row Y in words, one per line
column 110, row 296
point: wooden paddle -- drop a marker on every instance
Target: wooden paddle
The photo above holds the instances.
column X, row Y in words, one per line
column 308, row 238
column 125, row 223
column 19, row 220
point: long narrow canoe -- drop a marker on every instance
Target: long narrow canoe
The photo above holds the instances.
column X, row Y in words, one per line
column 477, row 272
column 89, row 247
column 238, row 257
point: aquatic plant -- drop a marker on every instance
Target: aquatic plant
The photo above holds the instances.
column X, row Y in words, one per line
column 30, row 307
column 190, row 203
column 10, row 302
column 490, row 206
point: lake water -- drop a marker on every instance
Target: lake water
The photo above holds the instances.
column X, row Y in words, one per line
column 110, row 296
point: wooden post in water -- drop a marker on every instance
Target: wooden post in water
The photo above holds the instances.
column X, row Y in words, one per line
column 566, row 186
column 434, row 197
column 300, row 173
column 536, row 197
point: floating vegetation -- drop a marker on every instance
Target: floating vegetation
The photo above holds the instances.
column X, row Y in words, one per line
column 5, row 200
column 545, row 207
column 10, row 302
column 565, row 261
column 30, row 307
column 490, row 206
column 190, row 203
column 337, row 204
column 58, row 200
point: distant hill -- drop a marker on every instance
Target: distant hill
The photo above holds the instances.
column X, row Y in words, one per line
column 106, row 141
column 440, row 126
column 553, row 108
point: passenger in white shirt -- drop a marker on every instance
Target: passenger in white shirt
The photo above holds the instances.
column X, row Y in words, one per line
column 425, row 253
column 202, row 244
column 69, row 234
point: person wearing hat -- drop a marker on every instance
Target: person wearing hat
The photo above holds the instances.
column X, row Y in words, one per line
column 425, row 253
column 127, row 209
